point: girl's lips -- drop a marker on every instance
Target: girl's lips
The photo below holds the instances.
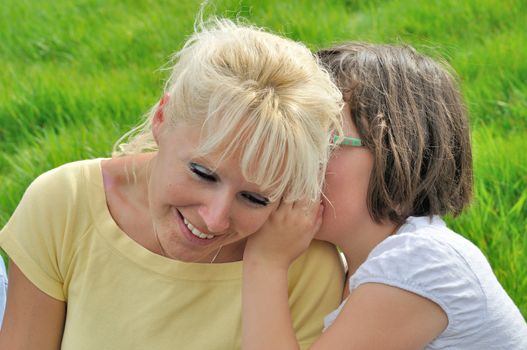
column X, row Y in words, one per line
column 189, row 235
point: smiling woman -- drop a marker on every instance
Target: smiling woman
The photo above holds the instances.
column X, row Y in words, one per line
column 143, row 250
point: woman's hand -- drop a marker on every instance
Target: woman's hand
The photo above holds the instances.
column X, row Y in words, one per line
column 285, row 235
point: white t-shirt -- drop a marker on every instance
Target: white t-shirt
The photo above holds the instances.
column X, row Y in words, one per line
column 3, row 289
column 425, row 257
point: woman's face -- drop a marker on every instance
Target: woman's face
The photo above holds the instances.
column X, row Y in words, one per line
column 197, row 208
column 347, row 178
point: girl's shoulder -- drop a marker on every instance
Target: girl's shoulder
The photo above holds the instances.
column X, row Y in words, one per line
column 428, row 259
column 429, row 239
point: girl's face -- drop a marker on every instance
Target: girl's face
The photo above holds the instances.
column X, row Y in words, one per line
column 347, row 178
column 197, row 208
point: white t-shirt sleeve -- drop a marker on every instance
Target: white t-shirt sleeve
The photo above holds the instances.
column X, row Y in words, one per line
column 3, row 289
column 422, row 264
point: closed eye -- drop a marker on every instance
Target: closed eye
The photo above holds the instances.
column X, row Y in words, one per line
column 202, row 172
column 255, row 198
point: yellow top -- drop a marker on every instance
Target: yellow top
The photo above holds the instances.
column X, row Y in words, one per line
column 121, row 295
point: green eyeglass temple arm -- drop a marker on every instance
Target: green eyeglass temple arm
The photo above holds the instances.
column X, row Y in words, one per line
column 347, row 141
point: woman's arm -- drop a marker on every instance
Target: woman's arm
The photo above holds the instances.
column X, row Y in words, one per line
column 32, row 320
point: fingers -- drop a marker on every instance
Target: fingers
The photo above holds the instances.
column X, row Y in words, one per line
column 286, row 233
column 304, row 212
column 308, row 207
column 307, row 213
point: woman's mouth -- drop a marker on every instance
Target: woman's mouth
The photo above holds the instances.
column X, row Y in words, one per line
column 195, row 231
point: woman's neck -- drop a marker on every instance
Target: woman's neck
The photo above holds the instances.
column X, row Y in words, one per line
column 125, row 186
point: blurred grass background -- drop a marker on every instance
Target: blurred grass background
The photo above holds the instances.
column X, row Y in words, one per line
column 74, row 75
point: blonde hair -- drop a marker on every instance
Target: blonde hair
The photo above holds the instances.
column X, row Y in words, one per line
column 257, row 95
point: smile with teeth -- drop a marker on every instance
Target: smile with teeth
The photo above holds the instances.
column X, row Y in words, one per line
column 195, row 231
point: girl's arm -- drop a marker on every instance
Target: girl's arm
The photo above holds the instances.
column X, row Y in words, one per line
column 265, row 309
column 32, row 320
column 376, row 316
column 267, row 321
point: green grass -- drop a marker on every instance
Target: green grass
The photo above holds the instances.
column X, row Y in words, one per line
column 76, row 74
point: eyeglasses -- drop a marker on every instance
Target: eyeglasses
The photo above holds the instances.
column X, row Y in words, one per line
column 347, row 141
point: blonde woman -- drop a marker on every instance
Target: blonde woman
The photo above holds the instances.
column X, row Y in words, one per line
column 143, row 250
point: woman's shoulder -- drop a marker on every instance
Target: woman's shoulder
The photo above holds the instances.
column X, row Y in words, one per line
column 66, row 178
column 59, row 193
column 51, row 219
column 321, row 256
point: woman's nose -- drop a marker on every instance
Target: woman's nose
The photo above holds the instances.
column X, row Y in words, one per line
column 216, row 213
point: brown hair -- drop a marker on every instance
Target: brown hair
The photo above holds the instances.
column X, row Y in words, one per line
column 410, row 114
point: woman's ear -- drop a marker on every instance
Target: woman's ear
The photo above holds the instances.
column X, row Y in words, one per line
column 159, row 117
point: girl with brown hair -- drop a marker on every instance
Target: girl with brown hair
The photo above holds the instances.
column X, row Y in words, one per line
column 404, row 162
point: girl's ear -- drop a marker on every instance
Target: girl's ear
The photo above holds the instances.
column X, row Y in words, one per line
column 159, row 118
